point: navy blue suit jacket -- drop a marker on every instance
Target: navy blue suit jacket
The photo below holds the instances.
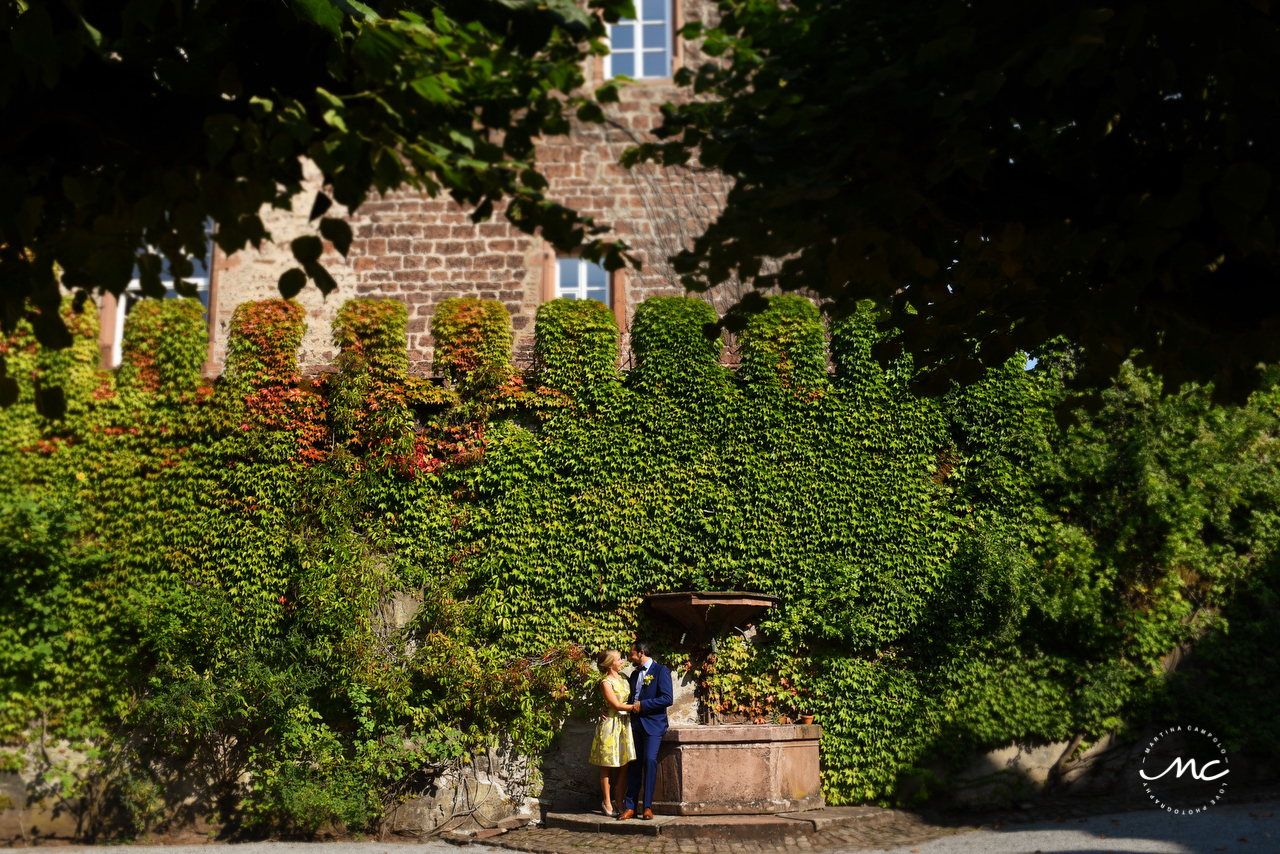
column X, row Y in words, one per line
column 654, row 699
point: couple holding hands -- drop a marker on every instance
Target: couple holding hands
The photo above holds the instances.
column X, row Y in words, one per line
column 630, row 728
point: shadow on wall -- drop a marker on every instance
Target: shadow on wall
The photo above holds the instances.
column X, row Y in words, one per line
column 1016, row 772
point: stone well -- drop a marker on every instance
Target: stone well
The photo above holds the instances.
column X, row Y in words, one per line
column 738, row 770
column 709, row 768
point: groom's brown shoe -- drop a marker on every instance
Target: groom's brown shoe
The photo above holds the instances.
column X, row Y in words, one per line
column 626, row 814
column 648, row 815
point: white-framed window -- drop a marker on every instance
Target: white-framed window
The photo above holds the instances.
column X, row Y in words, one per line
column 133, row 295
column 642, row 48
column 577, row 278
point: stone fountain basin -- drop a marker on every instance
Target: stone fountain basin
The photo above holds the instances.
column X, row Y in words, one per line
column 738, row 770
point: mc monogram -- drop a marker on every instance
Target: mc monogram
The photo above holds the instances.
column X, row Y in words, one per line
column 1202, row 774
column 1196, row 783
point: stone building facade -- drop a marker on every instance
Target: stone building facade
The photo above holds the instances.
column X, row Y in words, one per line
column 421, row 250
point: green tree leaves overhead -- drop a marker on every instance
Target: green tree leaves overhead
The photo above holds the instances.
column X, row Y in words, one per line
column 126, row 126
column 1002, row 173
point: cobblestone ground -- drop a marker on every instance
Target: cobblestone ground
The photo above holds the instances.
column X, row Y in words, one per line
column 898, row 831
column 902, row 829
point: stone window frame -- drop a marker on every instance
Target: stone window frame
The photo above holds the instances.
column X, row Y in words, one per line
column 580, row 289
column 600, row 63
column 112, row 311
column 617, row 285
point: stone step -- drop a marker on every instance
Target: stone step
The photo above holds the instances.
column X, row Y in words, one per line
column 829, row 817
column 724, row 826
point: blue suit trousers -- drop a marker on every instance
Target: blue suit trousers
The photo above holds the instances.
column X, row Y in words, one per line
column 646, row 761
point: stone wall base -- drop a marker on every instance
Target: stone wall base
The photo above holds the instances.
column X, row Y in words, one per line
column 1018, row 771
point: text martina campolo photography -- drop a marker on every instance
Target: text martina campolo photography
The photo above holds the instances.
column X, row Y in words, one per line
column 1184, row 770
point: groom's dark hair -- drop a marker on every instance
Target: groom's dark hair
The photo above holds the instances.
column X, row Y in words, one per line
column 643, row 647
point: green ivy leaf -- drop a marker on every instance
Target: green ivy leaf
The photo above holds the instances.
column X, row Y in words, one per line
column 591, row 112
column 323, row 13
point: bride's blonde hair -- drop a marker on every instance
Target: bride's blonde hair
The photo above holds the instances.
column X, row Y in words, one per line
column 606, row 658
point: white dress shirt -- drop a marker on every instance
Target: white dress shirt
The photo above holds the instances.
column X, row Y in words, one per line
column 643, row 671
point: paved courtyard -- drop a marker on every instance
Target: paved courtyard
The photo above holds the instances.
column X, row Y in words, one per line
column 1234, row 829
column 1243, row 829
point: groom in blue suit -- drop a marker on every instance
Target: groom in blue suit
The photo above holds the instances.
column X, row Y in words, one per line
column 651, row 690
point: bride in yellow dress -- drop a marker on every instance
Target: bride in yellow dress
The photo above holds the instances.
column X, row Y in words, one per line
column 613, row 746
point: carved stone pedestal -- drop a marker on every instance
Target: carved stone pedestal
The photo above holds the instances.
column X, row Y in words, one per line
column 738, row 770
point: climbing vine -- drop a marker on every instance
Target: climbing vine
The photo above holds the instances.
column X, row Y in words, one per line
column 162, row 350
column 576, row 347
column 262, row 367
column 472, row 344
column 338, row 586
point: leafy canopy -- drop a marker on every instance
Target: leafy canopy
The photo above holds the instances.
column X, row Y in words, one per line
column 1003, row 173
column 125, row 127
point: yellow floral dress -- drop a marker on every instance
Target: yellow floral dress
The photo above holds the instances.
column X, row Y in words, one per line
column 613, row 746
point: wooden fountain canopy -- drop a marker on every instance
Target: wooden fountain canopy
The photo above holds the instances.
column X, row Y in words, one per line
column 698, row 612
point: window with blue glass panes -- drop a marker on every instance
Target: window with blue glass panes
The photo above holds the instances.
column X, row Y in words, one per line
column 577, row 278
column 642, row 48
column 132, row 295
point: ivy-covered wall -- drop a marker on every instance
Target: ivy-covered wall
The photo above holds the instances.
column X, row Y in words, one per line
column 202, row 574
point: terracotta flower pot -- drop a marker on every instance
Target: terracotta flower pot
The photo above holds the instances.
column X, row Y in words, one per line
column 806, row 719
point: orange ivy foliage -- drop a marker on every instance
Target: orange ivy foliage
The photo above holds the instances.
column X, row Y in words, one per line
column 265, row 336
column 473, row 345
column 163, row 347
column 376, row 407
column 262, row 360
